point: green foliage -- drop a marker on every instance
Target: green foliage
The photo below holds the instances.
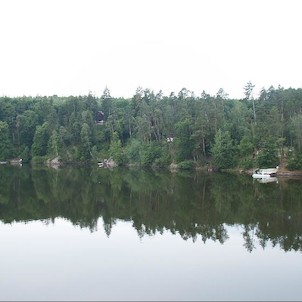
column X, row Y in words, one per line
column 247, row 163
column 183, row 142
column 186, row 165
column 223, row 151
column 246, row 148
column 116, row 150
column 164, row 158
column 294, row 160
column 54, row 144
column 136, row 130
column 5, row 143
column 149, row 153
column 86, row 145
column 25, row 155
column 39, row 160
column 133, row 151
column 94, row 154
column 268, row 155
column 295, row 128
column 40, row 142
column 26, row 124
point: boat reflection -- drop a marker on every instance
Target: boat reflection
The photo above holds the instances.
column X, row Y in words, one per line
column 267, row 180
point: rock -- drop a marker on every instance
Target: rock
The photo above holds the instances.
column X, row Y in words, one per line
column 107, row 163
column 173, row 167
column 55, row 162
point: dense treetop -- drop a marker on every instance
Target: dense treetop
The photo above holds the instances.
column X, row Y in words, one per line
column 154, row 129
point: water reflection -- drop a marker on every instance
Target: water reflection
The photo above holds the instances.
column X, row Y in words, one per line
column 267, row 180
column 190, row 204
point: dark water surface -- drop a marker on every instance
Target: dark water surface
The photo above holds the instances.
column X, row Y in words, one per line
column 96, row 234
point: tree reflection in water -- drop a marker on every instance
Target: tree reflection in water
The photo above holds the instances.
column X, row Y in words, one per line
column 189, row 204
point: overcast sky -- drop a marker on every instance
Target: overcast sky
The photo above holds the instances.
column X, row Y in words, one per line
column 71, row 47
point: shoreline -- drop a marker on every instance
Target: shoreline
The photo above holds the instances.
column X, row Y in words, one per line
column 282, row 172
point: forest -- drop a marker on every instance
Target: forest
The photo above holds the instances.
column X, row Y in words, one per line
column 152, row 129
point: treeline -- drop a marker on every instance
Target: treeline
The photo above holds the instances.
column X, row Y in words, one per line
column 154, row 129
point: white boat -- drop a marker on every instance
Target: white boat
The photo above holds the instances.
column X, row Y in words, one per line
column 265, row 173
column 259, row 175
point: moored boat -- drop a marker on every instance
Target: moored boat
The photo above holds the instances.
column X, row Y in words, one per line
column 265, row 173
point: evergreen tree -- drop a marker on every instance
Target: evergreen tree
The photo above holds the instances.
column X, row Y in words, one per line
column 115, row 150
column 85, row 147
column 5, row 145
column 268, row 155
column 223, row 150
column 40, row 142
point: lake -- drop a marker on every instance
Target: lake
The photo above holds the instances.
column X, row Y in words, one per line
column 128, row 234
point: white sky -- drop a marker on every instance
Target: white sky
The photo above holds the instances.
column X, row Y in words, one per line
column 71, row 47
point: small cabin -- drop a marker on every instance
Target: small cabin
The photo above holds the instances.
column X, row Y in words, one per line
column 100, row 118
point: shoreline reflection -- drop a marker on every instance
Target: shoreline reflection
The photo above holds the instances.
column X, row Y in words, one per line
column 193, row 205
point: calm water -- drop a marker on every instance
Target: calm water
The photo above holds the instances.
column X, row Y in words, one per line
column 94, row 234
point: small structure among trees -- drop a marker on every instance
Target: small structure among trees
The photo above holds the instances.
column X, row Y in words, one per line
column 100, row 118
